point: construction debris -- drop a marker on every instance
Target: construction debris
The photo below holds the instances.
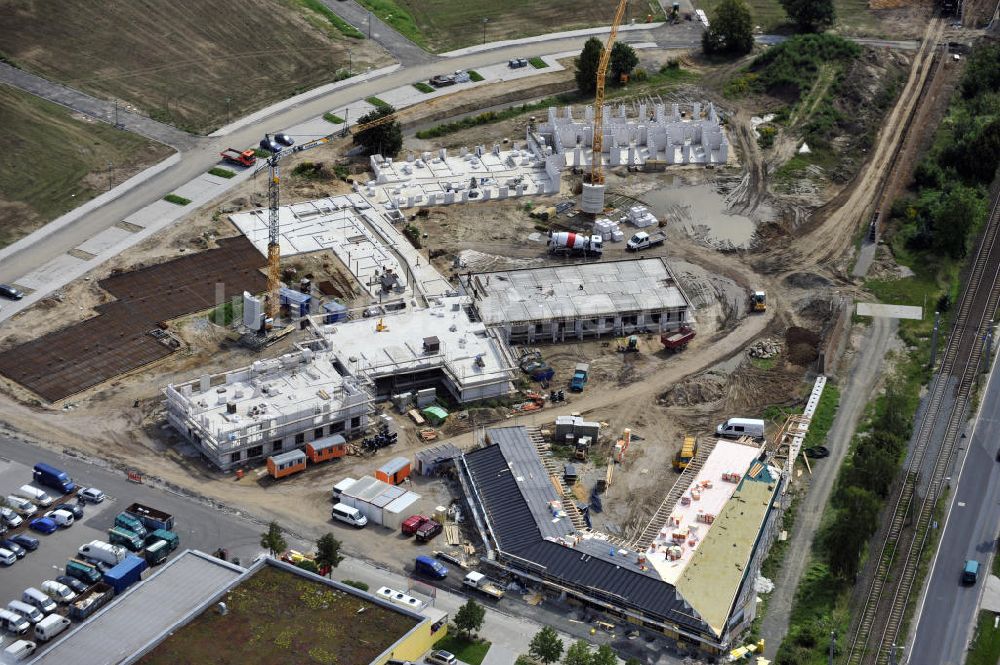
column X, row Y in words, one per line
column 765, row 348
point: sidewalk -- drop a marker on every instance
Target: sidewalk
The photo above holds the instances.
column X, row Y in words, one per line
column 569, row 34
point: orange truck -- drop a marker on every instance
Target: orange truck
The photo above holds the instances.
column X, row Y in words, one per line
column 234, row 156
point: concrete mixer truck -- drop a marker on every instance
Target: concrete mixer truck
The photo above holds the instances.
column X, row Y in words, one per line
column 575, row 244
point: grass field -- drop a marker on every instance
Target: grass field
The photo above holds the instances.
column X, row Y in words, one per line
column 52, row 161
column 853, row 16
column 180, row 61
column 443, row 25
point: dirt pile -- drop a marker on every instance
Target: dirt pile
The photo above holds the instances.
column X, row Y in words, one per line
column 695, row 391
column 764, row 349
column 802, row 345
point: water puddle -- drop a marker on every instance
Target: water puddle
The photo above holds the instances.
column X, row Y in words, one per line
column 701, row 211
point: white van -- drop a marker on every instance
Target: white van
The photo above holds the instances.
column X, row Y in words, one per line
column 34, row 495
column 33, row 596
column 29, row 612
column 98, row 550
column 13, row 622
column 62, row 518
column 734, row 428
column 58, row 591
column 7, row 558
column 20, row 505
column 19, row 651
column 50, row 626
column 351, row 516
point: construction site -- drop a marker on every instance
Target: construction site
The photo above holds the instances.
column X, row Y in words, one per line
column 530, row 330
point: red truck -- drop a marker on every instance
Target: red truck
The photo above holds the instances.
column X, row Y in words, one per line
column 676, row 341
column 234, row 156
column 412, row 523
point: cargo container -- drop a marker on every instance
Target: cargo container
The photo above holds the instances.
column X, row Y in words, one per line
column 151, row 518
column 125, row 574
column 327, row 448
column 156, row 552
column 125, row 538
column 394, row 471
column 285, row 464
column 91, row 601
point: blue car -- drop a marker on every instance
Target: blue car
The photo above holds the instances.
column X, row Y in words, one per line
column 43, row 525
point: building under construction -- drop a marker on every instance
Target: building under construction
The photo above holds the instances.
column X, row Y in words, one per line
column 579, row 301
column 690, row 575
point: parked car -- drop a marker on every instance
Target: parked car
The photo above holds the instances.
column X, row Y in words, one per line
column 73, row 583
column 63, row 518
column 75, row 508
column 441, row 657
column 11, row 518
column 43, row 525
column 8, row 291
column 58, row 591
column 29, row 543
column 442, row 80
column 7, row 558
column 9, row 544
column 430, row 567
column 91, row 495
column 428, row 530
column 20, row 505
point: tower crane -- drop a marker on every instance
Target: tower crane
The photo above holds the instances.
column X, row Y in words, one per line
column 279, row 147
column 596, row 168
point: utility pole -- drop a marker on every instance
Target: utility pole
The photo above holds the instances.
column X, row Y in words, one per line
column 229, row 117
column 988, row 350
column 485, row 21
column 111, row 166
column 117, row 124
column 369, row 25
column 934, row 338
column 833, row 645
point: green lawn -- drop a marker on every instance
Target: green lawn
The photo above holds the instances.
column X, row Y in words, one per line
column 986, row 644
column 221, row 172
column 376, row 102
column 471, row 652
column 853, row 16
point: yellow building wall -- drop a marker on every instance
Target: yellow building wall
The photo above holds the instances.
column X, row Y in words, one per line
column 414, row 645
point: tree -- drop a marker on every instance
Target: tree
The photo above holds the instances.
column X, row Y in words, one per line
column 356, row 584
column 546, row 647
column 730, row 31
column 328, row 552
column 952, row 218
column 308, row 564
column 273, row 540
column 623, row 60
column 604, row 656
column 810, row 15
column 578, row 654
column 469, row 618
column 586, row 65
column 385, row 139
column 525, row 660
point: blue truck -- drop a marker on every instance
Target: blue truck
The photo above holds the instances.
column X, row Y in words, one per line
column 970, row 573
column 580, row 375
column 49, row 476
column 125, row 574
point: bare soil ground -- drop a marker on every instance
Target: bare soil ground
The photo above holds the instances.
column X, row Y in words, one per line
column 179, row 62
column 82, row 158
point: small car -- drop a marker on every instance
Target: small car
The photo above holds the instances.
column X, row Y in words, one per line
column 8, row 291
column 441, row 657
column 43, row 525
column 91, row 495
column 73, row 583
column 29, row 543
column 75, row 508
column 9, row 544
column 11, row 517
column 428, row 530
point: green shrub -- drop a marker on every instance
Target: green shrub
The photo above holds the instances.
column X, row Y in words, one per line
column 221, row 172
column 639, row 75
column 538, row 63
column 475, row 76
column 423, row 87
column 309, row 170
column 176, row 200
column 766, row 138
column 378, row 103
column 333, row 118
column 356, row 584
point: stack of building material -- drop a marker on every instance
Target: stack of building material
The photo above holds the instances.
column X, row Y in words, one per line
column 608, row 230
column 641, row 217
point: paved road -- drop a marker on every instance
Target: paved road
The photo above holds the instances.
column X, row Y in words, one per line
column 399, row 46
column 948, row 609
column 97, row 108
column 855, row 392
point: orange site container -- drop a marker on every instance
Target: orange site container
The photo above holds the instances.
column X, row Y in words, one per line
column 394, row 471
column 330, row 447
column 286, row 464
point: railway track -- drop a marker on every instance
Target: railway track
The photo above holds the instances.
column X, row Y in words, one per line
column 883, row 614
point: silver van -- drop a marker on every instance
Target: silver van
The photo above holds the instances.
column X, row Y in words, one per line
column 349, row 515
column 734, row 428
column 50, row 626
column 34, row 495
column 7, row 558
column 29, row 612
column 18, row 651
column 33, row 596
column 21, row 505
column 13, row 622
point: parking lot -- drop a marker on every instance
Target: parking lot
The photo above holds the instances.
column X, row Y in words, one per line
column 199, row 526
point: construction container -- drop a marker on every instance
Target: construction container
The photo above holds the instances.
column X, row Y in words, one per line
column 285, row 464
column 400, row 508
column 334, row 312
column 394, row 471
column 298, row 303
column 428, row 462
column 327, row 448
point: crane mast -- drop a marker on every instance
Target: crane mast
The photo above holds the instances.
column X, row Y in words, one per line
column 596, row 169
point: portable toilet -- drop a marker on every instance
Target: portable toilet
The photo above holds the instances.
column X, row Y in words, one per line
column 298, row 303
column 334, row 312
column 394, row 471
column 326, row 448
column 286, row 464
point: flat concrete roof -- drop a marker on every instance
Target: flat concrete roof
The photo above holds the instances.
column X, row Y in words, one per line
column 711, row 581
column 576, row 291
column 139, row 616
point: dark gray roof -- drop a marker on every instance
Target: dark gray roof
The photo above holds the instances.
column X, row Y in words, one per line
column 506, row 503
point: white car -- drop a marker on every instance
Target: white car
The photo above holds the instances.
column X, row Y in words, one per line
column 11, row 518
column 441, row 657
column 91, row 495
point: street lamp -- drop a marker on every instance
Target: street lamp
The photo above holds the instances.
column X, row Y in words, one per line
column 485, row 21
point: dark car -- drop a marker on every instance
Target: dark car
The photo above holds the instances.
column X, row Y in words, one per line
column 442, row 80
column 428, row 530
column 10, row 292
column 75, row 508
column 13, row 547
column 29, row 543
column 72, row 583
column 43, row 525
